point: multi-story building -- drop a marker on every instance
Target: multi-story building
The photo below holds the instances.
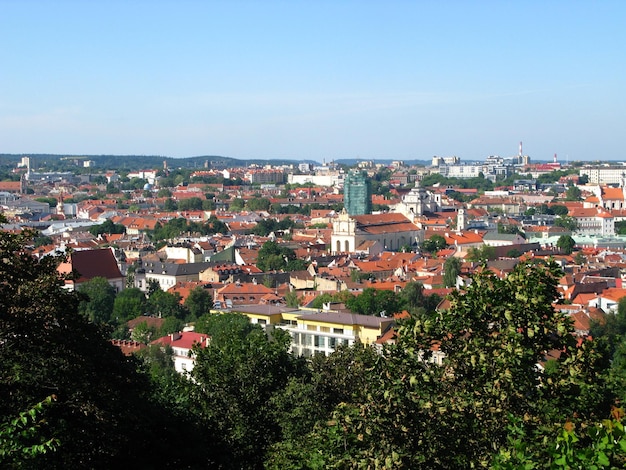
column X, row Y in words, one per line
column 357, row 194
column 322, row 333
column 256, row 176
column 318, row 332
column 604, row 174
column 593, row 221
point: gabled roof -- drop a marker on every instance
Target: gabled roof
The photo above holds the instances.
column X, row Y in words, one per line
column 92, row 263
column 610, row 193
column 183, row 340
column 384, row 223
column 245, row 288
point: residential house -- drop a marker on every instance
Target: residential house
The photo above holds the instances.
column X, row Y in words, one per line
column 241, row 293
column 169, row 274
column 182, row 345
column 90, row 264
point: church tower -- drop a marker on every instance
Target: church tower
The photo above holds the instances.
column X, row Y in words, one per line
column 357, row 194
column 461, row 223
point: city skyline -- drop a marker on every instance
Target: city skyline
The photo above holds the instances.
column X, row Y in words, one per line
column 318, row 81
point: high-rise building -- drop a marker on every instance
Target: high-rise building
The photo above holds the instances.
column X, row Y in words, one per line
column 357, row 194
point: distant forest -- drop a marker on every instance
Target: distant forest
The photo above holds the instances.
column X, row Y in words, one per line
column 138, row 162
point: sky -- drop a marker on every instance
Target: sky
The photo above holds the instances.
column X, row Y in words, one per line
column 314, row 80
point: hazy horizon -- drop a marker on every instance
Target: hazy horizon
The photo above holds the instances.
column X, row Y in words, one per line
column 314, row 81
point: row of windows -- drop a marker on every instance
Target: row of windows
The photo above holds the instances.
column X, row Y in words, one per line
column 324, row 329
column 303, row 339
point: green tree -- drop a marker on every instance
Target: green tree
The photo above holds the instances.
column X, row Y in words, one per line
column 198, row 302
column 482, row 254
column 566, row 243
column 234, row 380
column 566, row 222
column 558, row 209
column 258, row 204
column 166, row 304
column 170, row 205
column 292, row 299
column 412, row 296
column 103, row 415
column 458, row 410
column 310, row 398
column 451, row 270
column 98, row 299
column 434, row 244
column 21, row 438
column 190, row 204
column 274, row 257
column 129, row 303
column 573, row 193
column 236, row 204
column 374, row 302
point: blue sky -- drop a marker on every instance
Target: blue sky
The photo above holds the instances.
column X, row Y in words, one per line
column 314, row 79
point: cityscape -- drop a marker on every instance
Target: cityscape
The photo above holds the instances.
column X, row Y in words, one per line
column 337, row 258
column 312, row 235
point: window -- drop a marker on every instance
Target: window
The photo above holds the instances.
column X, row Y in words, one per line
column 338, row 331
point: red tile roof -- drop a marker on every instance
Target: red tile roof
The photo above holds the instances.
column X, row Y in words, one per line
column 183, row 340
column 92, row 263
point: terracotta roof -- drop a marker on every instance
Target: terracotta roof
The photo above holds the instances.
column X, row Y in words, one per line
column 611, row 193
column 150, row 321
column 245, row 288
column 128, row 347
column 92, row 263
column 613, row 293
column 183, row 340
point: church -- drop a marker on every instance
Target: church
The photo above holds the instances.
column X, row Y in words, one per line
column 417, row 202
column 392, row 230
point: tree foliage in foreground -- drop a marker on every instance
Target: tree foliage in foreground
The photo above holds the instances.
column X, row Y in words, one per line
column 463, row 412
column 103, row 415
column 234, row 382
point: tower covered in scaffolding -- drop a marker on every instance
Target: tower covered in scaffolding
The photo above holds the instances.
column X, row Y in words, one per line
column 357, row 193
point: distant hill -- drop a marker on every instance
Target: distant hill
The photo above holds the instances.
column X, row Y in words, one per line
column 384, row 161
column 138, row 162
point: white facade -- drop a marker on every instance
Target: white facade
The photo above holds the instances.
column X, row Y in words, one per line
column 604, row 175
column 318, row 180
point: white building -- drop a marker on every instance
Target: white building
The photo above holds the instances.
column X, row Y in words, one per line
column 391, row 230
column 182, row 345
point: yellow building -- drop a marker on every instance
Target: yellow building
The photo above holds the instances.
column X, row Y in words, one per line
column 314, row 332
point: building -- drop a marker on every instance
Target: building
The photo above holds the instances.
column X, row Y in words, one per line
column 604, row 174
column 169, row 274
column 357, row 194
column 314, row 332
column 182, row 345
column 323, row 332
column 418, row 201
column 239, row 293
column 391, row 230
column 90, row 264
column 593, row 221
